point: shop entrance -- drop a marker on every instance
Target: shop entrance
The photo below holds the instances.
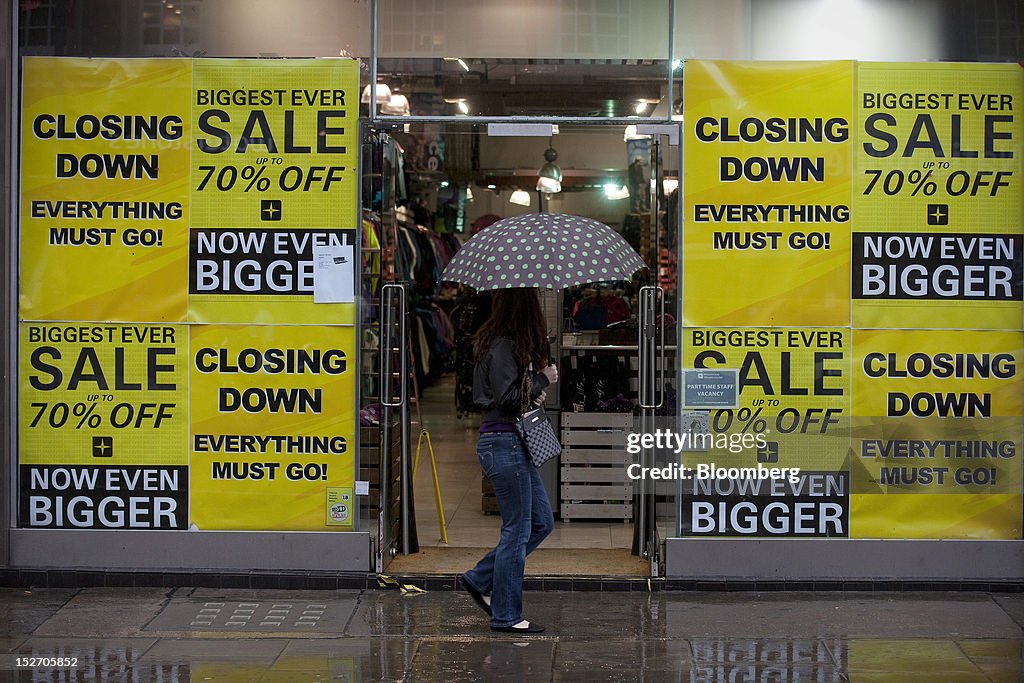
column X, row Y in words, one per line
column 427, row 188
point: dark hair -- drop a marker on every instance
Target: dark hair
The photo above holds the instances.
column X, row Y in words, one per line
column 516, row 314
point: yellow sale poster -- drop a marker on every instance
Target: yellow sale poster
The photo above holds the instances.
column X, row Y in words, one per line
column 273, row 189
column 103, row 426
column 161, row 192
column 104, row 189
column 937, row 434
column 767, row 193
column 793, row 412
column 938, row 196
column 273, row 427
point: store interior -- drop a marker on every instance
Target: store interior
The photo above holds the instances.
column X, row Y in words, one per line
column 439, row 186
column 445, row 174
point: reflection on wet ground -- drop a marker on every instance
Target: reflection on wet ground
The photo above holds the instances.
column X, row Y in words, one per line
column 172, row 635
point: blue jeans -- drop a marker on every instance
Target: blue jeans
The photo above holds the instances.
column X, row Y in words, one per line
column 526, row 520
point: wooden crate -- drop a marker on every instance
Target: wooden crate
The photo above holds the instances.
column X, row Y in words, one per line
column 594, row 484
column 488, row 501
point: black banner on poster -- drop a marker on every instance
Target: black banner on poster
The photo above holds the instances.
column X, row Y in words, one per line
column 814, row 505
column 937, row 266
column 105, row 497
column 256, row 261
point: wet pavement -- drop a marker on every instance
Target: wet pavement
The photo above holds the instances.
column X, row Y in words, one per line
column 265, row 636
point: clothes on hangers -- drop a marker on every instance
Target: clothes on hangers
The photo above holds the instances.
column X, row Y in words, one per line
column 422, row 256
column 432, row 339
column 470, row 313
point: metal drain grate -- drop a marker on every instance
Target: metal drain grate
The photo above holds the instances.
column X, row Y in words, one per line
column 283, row 616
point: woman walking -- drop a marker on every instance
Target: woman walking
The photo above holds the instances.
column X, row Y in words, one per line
column 512, row 342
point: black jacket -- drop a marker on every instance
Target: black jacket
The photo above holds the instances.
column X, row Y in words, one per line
column 498, row 383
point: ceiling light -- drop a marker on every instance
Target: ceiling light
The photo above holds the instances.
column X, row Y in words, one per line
column 549, row 178
column 670, row 185
column 492, row 187
column 520, row 197
column 641, row 107
column 463, row 107
column 397, row 105
column 549, row 185
column 461, row 62
column 613, row 191
column 383, row 93
column 630, row 134
column 469, row 194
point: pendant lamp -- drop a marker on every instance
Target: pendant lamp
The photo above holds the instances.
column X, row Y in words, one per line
column 549, row 178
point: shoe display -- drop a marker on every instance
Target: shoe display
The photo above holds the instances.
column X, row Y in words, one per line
column 370, row 415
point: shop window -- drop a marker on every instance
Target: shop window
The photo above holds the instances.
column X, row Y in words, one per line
column 412, row 26
column 170, row 22
column 596, row 27
column 579, row 58
column 37, row 23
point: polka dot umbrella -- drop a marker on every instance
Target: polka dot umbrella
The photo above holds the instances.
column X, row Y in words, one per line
column 544, row 250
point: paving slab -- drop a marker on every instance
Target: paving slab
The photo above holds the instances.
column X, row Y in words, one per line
column 733, row 673
column 765, row 659
column 10, row 644
column 614, row 659
column 816, row 615
column 105, row 612
column 390, row 613
column 260, row 654
column 353, row 659
column 1007, row 649
column 1004, row 676
column 22, row 611
column 808, row 652
column 444, row 636
column 905, row 677
column 474, row 659
column 96, row 659
column 272, row 676
column 1000, row 660
column 1013, row 605
column 564, row 614
column 941, row 657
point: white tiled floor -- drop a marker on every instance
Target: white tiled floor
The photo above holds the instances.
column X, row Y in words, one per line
column 454, row 442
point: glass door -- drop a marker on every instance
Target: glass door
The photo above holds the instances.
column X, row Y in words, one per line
column 384, row 371
column 448, row 181
column 655, row 502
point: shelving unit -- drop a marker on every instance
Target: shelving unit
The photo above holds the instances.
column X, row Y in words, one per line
column 594, row 483
column 369, row 385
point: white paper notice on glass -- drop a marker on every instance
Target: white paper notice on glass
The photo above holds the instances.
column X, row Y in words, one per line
column 333, row 274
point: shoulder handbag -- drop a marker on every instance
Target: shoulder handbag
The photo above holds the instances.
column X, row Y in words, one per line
column 535, row 428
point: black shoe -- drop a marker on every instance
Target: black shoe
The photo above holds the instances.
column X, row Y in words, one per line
column 477, row 596
column 532, row 628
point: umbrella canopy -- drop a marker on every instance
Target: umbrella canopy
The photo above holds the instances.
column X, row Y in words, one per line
column 544, row 250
